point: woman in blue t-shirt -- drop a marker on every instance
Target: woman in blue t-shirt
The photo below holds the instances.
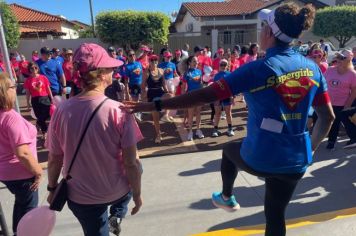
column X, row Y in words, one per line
column 279, row 90
column 226, row 104
column 193, row 81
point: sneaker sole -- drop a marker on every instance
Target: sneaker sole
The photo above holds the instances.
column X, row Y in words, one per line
column 350, row 146
column 226, row 208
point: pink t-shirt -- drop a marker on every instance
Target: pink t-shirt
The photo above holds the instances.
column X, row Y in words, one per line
column 37, row 86
column 98, row 174
column 15, row 131
column 340, row 86
column 251, row 58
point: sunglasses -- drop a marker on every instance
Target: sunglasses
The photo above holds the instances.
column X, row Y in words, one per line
column 33, row 68
column 316, row 57
column 223, row 65
column 131, row 55
column 341, row 58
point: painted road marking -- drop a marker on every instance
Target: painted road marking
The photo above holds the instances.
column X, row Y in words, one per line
column 291, row 224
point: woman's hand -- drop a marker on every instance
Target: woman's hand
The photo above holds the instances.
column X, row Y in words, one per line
column 134, row 107
column 138, row 203
column 50, row 197
column 36, row 184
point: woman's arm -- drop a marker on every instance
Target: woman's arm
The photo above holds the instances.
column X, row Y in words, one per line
column 50, row 93
column 351, row 98
column 55, row 163
column 323, row 124
column 27, row 159
column 133, row 170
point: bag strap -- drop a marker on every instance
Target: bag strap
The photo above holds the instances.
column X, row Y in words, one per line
column 82, row 137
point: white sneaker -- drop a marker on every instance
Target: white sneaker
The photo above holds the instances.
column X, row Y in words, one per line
column 138, row 116
column 230, row 132
column 215, row 133
column 199, row 133
column 190, row 136
column 166, row 118
column 223, row 115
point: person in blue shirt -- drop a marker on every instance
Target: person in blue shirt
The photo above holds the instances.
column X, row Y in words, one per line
column 56, row 55
column 193, row 81
column 170, row 71
column 226, row 103
column 279, row 90
column 52, row 70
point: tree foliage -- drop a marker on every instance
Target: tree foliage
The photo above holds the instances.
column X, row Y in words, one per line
column 338, row 22
column 86, row 33
column 129, row 29
column 11, row 26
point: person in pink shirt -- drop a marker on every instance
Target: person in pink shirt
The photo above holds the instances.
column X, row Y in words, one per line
column 234, row 61
column 252, row 52
column 35, row 56
column 341, row 81
column 68, row 70
column 106, row 170
column 38, row 89
column 19, row 168
column 317, row 56
column 243, row 56
column 23, row 65
column 216, row 61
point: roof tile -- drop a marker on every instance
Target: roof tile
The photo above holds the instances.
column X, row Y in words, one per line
column 227, row 8
column 24, row 14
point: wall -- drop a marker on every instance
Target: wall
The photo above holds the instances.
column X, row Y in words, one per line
column 188, row 18
column 26, row 46
column 69, row 30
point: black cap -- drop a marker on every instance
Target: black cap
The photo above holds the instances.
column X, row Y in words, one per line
column 45, row 50
column 111, row 49
column 55, row 50
column 198, row 48
column 237, row 48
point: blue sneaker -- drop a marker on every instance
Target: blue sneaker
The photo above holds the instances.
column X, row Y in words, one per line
column 229, row 205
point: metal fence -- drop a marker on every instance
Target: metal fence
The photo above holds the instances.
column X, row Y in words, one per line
column 229, row 38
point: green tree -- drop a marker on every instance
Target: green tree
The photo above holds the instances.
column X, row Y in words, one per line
column 84, row 33
column 129, row 29
column 11, row 26
column 338, row 22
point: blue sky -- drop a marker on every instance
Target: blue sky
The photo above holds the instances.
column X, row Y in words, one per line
column 79, row 9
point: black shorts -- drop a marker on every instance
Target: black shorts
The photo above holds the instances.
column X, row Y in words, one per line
column 135, row 90
column 154, row 93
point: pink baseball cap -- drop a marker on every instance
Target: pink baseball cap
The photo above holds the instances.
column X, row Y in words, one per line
column 90, row 56
column 346, row 53
column 167, row 54
column 145, row 49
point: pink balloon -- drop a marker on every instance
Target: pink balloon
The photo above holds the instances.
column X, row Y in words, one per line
column 52, row 108
column 39, row 221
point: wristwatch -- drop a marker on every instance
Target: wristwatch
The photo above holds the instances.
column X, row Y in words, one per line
column 51, row 189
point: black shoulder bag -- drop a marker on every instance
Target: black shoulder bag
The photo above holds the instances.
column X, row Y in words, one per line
column 60, row 195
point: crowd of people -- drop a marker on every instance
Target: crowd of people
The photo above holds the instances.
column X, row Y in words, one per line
column 162, row 83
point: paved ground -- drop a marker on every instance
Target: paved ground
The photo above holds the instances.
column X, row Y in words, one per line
column 177, row 189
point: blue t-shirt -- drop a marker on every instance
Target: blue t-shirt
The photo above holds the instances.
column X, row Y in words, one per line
column 193, row 77
column 134, row 72
column 53, row 71
column 169, row 69
column 60, row 60
column 220, row 75
column 279, row 91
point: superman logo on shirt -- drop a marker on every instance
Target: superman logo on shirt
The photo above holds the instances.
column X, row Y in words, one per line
column 292, row 87
column 196, row 78
column 168, row 71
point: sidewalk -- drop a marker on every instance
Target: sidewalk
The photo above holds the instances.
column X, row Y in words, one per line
column 177, row 189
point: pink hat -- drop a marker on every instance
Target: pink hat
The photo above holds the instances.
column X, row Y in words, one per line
column 153, row 57
column 90, row 56
column 167, row 54
column 145, row 49
column 346, row 53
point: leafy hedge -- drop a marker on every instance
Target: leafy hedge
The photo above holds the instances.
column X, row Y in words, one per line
column 129, row 29
column 11, row 26
column 338, row 22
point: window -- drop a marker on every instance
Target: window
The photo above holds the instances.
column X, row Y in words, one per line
column 239, row 37
column 227, row 37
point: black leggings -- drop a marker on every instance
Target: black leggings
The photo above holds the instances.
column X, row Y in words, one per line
column 279, row 188
column 41, row 107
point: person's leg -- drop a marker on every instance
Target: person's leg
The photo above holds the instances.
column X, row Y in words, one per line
column 118, row 211
column 92, row 218
column 25, row 199
column 334, row 131
column 279, row 191
column 217, row 116
column 227, row 109
column 212, row 114
column 190, row 119
column 155, row 117
column 198, row 116
column 349, row 126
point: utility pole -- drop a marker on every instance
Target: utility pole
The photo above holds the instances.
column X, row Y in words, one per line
column 5, row 54
column 92, row 17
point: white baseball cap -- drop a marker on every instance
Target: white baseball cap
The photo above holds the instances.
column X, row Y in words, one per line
column 268, row 16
